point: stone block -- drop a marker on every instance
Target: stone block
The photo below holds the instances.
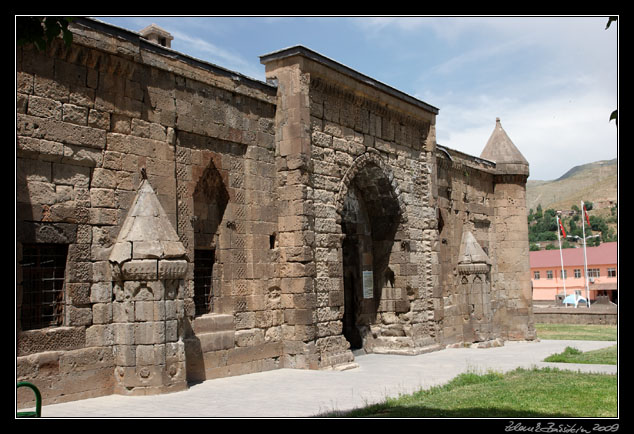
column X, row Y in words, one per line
column 147, row 311
column 149, row 355
column 123, row 333
column 141, row 269
column 75, row 114
column 123, row 312
column 78, row 316
column 299, row 316
column 102, row 313
column 249, row 338
column 297, row 285
column 124, row 355
column 257, row 352
column 100, row 335
column 216, row 341
column 148, row 333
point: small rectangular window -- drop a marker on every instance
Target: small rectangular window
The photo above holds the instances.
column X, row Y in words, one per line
column 593, row 272
column 43, row 268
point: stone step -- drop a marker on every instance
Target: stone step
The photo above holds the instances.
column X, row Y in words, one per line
column 211, row 341
column 213, row 322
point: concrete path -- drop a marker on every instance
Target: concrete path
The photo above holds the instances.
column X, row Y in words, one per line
column 287, row 393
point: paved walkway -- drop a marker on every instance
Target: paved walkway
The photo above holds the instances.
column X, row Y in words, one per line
column 302, row 393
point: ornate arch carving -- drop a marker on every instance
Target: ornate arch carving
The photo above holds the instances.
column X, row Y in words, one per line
column 361, row 163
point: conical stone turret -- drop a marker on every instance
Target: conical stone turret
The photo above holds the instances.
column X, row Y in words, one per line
column 511, row 268
column 501, row 150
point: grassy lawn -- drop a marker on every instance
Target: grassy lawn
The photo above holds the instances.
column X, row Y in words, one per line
column 604, row 356
column 520, row 393
column 576, row 332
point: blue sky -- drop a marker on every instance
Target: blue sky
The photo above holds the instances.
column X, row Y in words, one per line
column 551, row 80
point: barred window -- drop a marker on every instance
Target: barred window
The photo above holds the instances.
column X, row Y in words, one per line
column 203, row 267
column 43, row 267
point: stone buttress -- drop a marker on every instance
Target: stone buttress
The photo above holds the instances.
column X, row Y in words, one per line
column 511, row 270
column 148, row 267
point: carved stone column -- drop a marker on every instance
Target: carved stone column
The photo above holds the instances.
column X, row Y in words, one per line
column 148, row 267
column 475, row 286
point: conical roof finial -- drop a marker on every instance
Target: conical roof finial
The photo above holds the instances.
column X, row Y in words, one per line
column 501, row 150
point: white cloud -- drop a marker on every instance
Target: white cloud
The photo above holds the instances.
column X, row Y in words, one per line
column 207, row 51
column 551, row 81
column 553, row 134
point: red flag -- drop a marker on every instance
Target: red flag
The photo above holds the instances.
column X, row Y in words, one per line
column 585, row 212
column 561, row 226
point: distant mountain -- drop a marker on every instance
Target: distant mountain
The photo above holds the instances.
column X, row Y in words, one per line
column 595, row 182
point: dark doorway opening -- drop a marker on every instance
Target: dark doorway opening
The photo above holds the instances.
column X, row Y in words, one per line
column 203, row 288
column 351, row 281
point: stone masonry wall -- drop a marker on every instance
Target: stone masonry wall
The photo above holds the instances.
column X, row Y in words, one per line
column 90, row 117
column 382, row 152
column 472, row 197
column 465, row 195
column 511, row 270
column 317, row 216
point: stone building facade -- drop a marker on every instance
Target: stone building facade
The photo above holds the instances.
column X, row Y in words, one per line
column 178, row 222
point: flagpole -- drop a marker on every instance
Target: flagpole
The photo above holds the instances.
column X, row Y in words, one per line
column 585, row 257
column 561, row 256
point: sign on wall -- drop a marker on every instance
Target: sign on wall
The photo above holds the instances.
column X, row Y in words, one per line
column 368, row 284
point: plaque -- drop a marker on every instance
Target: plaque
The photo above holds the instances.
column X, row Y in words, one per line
column 368, row 284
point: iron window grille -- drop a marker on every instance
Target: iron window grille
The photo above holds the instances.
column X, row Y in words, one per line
column 43, row 268
column 203, row 269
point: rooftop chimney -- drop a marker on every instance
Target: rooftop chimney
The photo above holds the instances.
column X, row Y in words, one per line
column 157, row 35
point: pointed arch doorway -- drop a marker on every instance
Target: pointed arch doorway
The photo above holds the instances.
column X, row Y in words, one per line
column 371, row 213
column 210, row 201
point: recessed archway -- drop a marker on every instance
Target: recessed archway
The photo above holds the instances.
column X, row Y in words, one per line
column 210, row 201
column 371, row 212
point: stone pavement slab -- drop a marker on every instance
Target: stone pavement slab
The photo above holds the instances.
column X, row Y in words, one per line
column 291, row 393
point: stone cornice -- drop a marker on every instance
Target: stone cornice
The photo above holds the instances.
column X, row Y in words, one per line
column 345, row 71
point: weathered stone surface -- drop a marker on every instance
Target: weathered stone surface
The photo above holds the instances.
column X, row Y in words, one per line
column 252, row 226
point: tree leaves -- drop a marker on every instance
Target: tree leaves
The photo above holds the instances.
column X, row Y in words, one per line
column 41, row 31
column 614, row 115
column 610, row 22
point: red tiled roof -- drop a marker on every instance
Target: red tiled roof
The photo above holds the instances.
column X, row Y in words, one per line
column 604, row 254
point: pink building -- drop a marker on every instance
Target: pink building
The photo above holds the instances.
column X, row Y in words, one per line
column 546, row 273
